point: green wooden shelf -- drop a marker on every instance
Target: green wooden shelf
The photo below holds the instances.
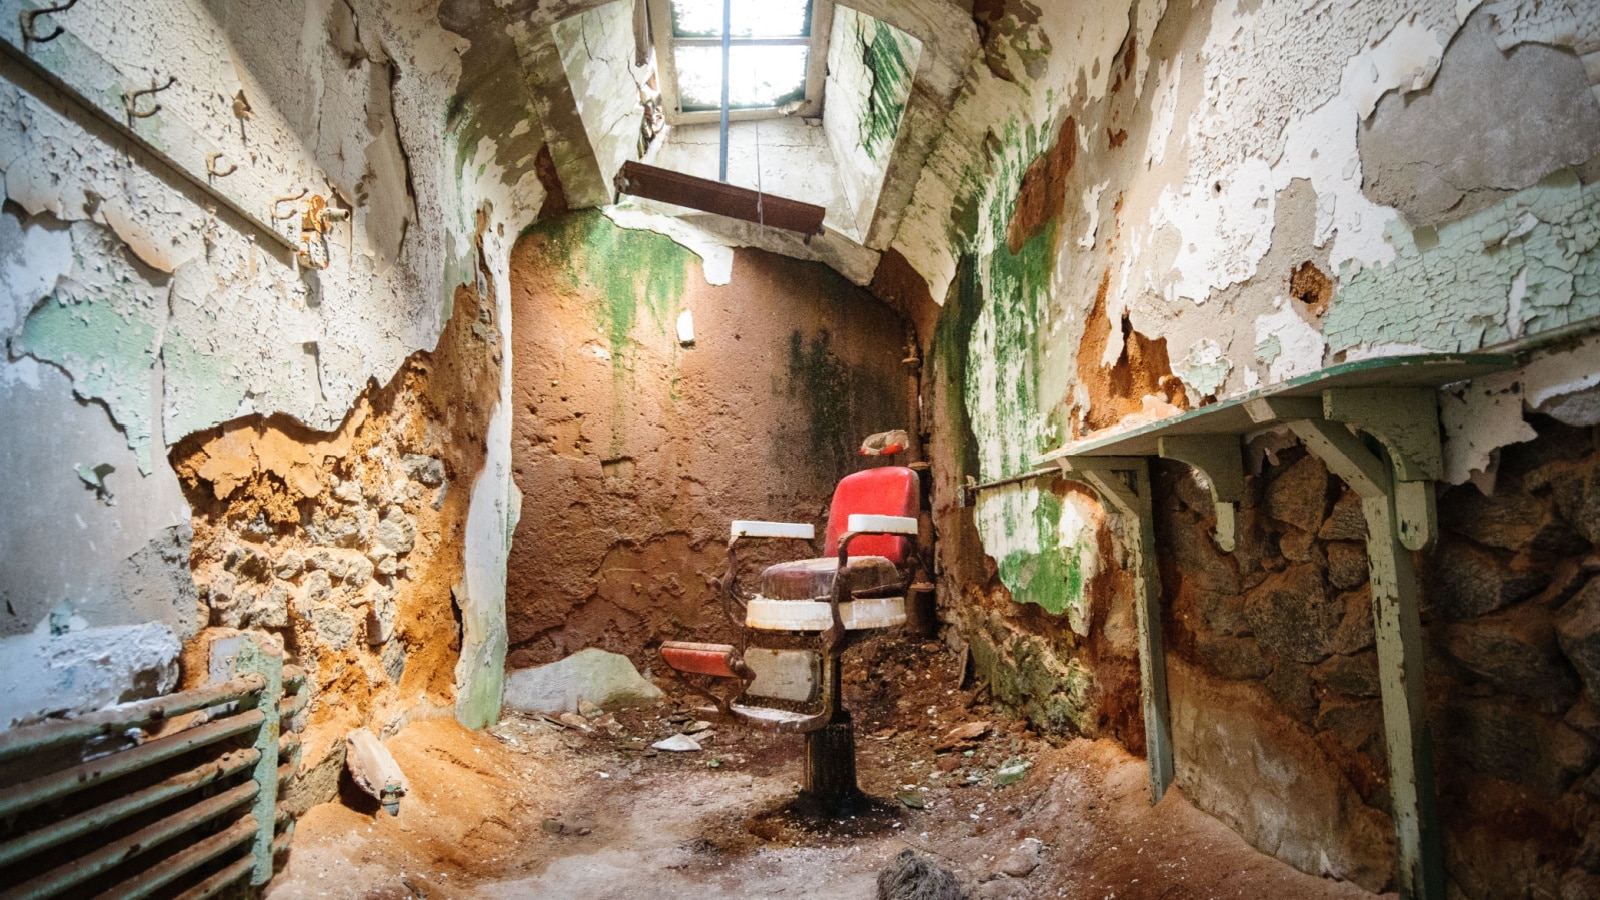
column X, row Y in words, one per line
column 1231, row 417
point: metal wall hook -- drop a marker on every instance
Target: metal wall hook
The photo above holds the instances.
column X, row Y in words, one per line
column 211, row 166
column 28, row 18
column 276, row 216
column 130, row 99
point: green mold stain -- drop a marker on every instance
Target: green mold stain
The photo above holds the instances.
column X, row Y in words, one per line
column 884, row 53
column 822, row 382
column 625, row 270
column 1003, row 366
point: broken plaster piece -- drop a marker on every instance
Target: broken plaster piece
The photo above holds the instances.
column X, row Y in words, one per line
column 1479, row 419
column 716, row 258
column 374, row 770
column 678, row 743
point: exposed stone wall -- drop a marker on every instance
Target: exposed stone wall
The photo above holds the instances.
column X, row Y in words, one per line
column 349, row 544
column 1277, row 724
column 634, row 453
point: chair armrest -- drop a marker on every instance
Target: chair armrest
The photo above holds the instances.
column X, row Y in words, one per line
column 751, row 529
column 861, row 523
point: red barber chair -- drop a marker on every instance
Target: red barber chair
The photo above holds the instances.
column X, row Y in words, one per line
column 793, row 630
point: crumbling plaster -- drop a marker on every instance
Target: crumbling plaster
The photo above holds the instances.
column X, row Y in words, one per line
column 1213, row 173
column 171, row 317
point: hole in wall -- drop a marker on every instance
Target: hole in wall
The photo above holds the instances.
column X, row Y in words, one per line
column 1310, row 286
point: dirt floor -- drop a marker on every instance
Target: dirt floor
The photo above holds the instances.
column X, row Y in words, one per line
column 533, row 808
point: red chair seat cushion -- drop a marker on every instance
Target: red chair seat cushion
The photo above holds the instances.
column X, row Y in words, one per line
column 812, row 579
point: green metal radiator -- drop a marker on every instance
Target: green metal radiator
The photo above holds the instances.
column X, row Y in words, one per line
column 175, row 796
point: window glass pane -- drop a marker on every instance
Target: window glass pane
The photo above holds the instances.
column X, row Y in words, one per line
column 762, row 76
column 697, row 18
column 751, row 18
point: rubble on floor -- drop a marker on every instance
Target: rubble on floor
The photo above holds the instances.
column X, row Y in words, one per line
column 568, row 806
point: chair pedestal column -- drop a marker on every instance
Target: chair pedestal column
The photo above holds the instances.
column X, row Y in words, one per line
column 831, row 766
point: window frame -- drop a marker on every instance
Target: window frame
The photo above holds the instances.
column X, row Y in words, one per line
column 667, row 69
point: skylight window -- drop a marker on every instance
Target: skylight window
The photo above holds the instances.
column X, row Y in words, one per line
column 777, row 57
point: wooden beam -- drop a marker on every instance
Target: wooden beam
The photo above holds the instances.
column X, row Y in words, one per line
column 654, row 183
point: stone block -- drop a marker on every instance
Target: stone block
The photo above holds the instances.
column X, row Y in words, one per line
column 1356, row 630
column 358, row 573
column 1577, row 495
column 1509, row 519
column 1290, row 685
column 1470, row 581
column 1578, row 632
column 1293, row 616
column 1515, row 651
column 1352, row 676
column 84, row 669
column 607, row 680
column 1509, row 741
column 316, row 587
column 1198, row 558
column 271, row 608
column 397, row 530
column 427, row 470
column 333, row 627
column 1346, row 521
column 1298, row 494
column 1223, row 612
column 290, row 565
column 1347, row 564
column 1234, row 658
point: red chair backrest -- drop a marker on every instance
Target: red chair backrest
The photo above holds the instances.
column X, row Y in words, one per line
column 884, row 491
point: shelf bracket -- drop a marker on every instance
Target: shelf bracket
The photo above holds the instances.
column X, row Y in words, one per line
column 1124, row 484
column 1218, row 459
column 1406, row 422
column 1395, row 594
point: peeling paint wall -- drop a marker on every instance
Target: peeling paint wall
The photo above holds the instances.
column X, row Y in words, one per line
column 597, row 54
column 1138, row 208
column 141, row 311
column 871, row 66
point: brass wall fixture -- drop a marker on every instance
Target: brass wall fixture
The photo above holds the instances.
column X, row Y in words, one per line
column 130, row 99
column 29, row 18
column 214, row 170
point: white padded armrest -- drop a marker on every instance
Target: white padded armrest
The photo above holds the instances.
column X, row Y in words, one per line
column 861, row 522
column 743, row 528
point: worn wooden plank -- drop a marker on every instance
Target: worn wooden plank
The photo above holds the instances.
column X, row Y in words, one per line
column 667, row 186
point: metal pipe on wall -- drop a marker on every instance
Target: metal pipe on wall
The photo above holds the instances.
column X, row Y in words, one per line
column 722, row 119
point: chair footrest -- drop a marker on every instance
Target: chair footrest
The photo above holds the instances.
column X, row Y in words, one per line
column 715, row 660
column 780, row 720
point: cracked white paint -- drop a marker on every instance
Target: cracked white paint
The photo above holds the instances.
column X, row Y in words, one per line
column 1297, row 344
column 1166, row 111
column 1091, row 205
column 596, row 50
